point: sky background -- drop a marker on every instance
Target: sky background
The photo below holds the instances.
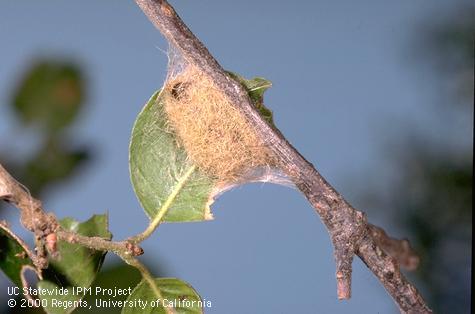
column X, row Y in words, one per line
column 345, row 83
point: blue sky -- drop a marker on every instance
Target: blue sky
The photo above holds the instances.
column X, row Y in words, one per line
column 344, row 84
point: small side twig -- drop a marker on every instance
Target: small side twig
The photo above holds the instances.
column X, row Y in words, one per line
column 400, row 250
column 121, row 248
column 348, row 228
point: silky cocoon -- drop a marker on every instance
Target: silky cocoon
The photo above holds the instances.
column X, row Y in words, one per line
column 217, row 137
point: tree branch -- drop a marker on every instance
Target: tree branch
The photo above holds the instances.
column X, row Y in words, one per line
column 43, row 225
column 348, row 228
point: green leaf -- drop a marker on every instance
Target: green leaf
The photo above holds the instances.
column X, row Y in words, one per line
column 50, row 94
column 120, row 276
column 256, row 88
column 53, row 163
column 77, row 266
column 14, row 255
column 175, row 295
column 161, row 173
column 164, row 179
column 59, row 303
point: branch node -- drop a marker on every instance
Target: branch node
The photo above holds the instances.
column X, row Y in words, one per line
column 133, row 249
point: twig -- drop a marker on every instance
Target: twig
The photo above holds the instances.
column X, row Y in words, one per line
column 121, row 248
column 44, row 224
column 348, row 228
column 31, row 215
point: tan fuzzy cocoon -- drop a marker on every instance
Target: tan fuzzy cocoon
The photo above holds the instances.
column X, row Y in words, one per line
column 216, row 136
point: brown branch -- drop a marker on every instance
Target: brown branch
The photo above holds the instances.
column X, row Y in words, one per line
column 32, row 215
column 348, row 228
column 44, row 225
column 400, row 250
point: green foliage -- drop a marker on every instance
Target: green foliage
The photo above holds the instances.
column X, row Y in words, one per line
column 13, row 255
column 158, row 166
column 50, row 95
column 120, row 276
column 54, row 162
column 177, row 295
column 76, row 266
column 256, row 88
